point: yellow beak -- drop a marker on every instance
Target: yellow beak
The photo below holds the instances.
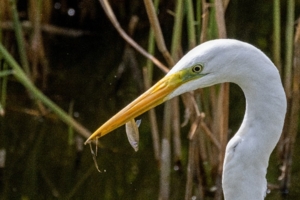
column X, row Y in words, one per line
column 156, row 95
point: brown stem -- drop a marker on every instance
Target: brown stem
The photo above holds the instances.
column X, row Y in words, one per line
column 157, row 31
column 109, row 12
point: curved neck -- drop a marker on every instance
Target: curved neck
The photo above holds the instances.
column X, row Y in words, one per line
column 265, row 113
column 248, row 152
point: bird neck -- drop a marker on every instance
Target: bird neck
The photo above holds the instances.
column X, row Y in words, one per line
column 265, row 113
column 248, row 152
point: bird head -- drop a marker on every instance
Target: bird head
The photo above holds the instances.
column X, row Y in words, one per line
column 201, row 67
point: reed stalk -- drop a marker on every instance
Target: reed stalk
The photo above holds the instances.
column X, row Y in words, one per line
column 191, row 23
column 289, row 47
column 166, row 134
column 153, row 121
column 176, row 53
column 194, row 152
column 292, row 116
column 4, row 73
column 165, row 161
column 198, row 20
column 294, row 106
column 177, row 31
column 148, row 73
column 205, row 19
column 223, row 98
column 190, row 171
column 150, row 8
column 70, row 128
column 36, row 44
column 19, row 36
column 277, row 35
column 177, row 155
column 220, row 18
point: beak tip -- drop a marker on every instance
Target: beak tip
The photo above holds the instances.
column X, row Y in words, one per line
column 87, row 141
column 97, row 134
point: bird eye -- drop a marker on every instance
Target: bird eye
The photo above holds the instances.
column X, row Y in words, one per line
column 197, row 68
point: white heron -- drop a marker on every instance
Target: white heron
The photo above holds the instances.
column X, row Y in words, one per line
column 219, row 61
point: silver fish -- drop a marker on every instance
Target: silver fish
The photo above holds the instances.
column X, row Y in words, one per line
column 132, row 132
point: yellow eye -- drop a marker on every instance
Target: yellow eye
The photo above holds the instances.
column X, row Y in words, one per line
column 197, row 68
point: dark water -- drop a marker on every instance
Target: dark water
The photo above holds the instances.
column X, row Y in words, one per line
column 41, row 161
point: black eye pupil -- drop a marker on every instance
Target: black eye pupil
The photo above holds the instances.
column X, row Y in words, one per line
column 197, row 68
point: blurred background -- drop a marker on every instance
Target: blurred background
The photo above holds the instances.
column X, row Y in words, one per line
column 73, row 54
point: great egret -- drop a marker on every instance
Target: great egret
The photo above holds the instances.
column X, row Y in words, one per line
column 219, row 61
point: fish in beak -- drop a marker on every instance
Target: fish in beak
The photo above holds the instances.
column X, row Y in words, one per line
column 156, row 95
